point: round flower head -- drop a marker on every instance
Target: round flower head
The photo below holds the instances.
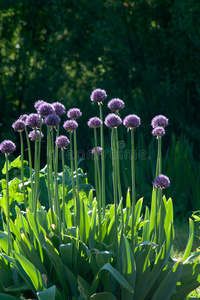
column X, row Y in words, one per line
column 70, row 125
column 18, row 125
column 160, row 120
column 23, row 117
column 32, row 135
column 7, row 147
column 112, row 121
column 131, row 121
column 161, row 181
column 158, row 131
column 94, row 122
column 99, row 150
column 59, row 108
column 45, row 109
column 116, row 104
column 98, row 95
column 33, row 121
column 52, row 120
column 62, row 141
column 74, row 113
column 38, row 103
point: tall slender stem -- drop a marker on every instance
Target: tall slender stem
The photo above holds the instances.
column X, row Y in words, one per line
column 49, row 175
column 113, row 146
column 98, row 192
column 118, row 176
column 31, row 170
column 133, row 188
column 8, row 207
column 102, row 162
column 22, row 169
column 76, row 160
column 157, row 193
column 63, row 189
column 72, row 171
column 36, row 175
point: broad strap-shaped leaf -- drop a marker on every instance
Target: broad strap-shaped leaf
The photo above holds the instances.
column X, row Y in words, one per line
column 48, row 294
column 190, row 240
column 167, row 286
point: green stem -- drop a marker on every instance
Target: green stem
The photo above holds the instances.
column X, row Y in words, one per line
column 158, row 163
column 57, row 201
column 118, row 177
column 63, row 189
column 98, row 193
column 113, row 146
column 36, row 175
column 8, row 207
column 49, row 175
column 158, row 172
column 76, row 160
column 30, row 167
column 133, row 188
column 72, row 171
column 22, row 169
column 102, row 162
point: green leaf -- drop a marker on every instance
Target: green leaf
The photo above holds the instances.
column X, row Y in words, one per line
column 4, row 241
column 167, row 286
column 7, row 297
column 48, row 294
column 103, row 296
column 18, row 287
column 190, row 240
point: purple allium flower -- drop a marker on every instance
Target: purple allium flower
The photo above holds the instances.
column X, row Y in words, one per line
column 94, row 122
column 38, row 103
column 52, row 120
column 7, row 147
column 99, row 150
column 160, row 120
column 161, row 181
column 116, row 104
column 33, row 121
column 18, row 125
column 62, row 141
column 74, row 113
column 70, row 125
column 158, row 131
column 32, row 135
column 23, row 117
column 59, row 108
column 98, row 95
column 131, row 121
column 112, row 121
column 45, row 109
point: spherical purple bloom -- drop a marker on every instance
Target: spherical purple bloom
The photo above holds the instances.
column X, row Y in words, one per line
column 99, row 150
column 23, row 117
column 18, row 125
column 131, row 121
column 38, row 103
column 70, row 125
column 112, row 121
column 33, row 121
column 45, row 109
column 74, row 113
column 94, row 122
column 116, row 104
column 161, row 181
column 59, row 108
column 158, row 131
column 98, row 95
column 62, row 141
column 52, row 120
column 160, row 120
column 32, row 135
column 7, row 147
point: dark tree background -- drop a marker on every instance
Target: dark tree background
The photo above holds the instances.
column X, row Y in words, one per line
column 145, row 52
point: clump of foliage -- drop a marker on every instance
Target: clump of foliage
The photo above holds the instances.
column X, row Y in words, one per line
column 59, row 241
